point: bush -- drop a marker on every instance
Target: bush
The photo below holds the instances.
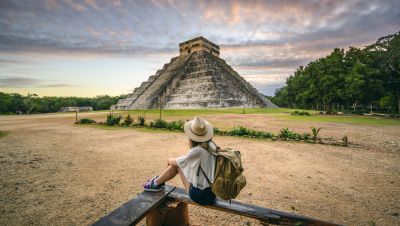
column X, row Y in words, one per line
column 175, row 125
column 128, row 120
column 113, row 119
column 315, row 132
column 141, row 121
column 220, row 132
column 241, row 131
column 305, row 136
column 86, row 121
column 356, row 112
column 301, row 113
column 260, row 134
column 158, row 123
column 288, row 134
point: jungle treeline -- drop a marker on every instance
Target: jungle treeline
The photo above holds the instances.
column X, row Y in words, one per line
column 14, row 103
column 356, row 80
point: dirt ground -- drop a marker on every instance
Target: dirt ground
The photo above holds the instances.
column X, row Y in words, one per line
column 55, row 173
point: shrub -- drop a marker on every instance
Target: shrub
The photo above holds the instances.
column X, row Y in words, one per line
column 288, row 134
column 301, row 113
column 141, row 121
column 241, row 131
column 158, row 123
column 220, row 132
column 305, row 136
column 356, row 112
column 128, row 120
column 315, row 132
column 260, row 134
column 175, row 125
column 113, row 119
column 86, row 121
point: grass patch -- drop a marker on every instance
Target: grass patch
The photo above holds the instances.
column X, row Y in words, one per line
column 353, row 119
column 154, row 113
column 3, row 133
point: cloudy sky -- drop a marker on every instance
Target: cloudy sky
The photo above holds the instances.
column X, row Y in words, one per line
column 94, row 47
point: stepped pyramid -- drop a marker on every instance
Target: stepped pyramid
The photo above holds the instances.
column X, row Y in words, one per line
column 197, row 78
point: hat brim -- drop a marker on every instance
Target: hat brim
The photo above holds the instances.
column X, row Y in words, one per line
column 206, row 137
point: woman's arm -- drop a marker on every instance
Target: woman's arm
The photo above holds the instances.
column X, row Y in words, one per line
column 172, row 162
column 192, row 154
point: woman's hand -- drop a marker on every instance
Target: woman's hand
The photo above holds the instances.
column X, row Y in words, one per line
column 172, row 162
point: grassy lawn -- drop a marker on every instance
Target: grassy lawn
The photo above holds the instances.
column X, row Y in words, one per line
column 193, row 112
column 279, row 113
column 353, row 119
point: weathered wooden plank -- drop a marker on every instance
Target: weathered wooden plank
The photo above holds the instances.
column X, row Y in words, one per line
column 265, row 215
column 133, row 211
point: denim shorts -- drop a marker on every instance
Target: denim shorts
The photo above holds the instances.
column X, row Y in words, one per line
column 202, row 197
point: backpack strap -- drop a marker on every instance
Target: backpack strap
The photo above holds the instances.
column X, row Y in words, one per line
column 208, row 180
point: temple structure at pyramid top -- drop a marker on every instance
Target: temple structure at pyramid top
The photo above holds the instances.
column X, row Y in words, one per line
column 198, row 44
column 197, row 78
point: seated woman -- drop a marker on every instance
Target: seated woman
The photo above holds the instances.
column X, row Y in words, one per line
column 196, row 168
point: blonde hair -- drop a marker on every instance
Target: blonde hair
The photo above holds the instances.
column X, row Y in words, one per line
column 193, row 143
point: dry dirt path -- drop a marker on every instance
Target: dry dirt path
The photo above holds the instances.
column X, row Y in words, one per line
column 55, row 173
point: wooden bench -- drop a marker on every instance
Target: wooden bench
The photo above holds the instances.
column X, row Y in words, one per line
column 152, row 206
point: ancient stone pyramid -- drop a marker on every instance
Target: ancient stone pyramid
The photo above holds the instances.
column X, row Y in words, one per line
column 197, row 78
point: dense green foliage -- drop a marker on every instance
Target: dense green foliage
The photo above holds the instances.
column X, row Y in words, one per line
column 300, row 113
column 113, row 119
column 13, row 103
column 245, row 132
column 288, row 134
column 86, row 121
column 355, row 80
column 162, row 124
column 141, row 121
column 128, row 120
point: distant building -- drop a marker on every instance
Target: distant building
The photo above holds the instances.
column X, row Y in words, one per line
column 73, row 109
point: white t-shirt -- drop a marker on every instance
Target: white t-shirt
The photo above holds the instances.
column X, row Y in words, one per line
column 189, row 164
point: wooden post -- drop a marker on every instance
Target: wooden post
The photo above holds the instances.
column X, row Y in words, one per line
column 159, row 103
column 172, row 214
column 345, row 141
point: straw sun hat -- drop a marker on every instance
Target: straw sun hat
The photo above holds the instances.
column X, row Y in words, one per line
column 199, row 130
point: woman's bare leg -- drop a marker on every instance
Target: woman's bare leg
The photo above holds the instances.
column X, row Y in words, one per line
column 169, row 173
column 184, row 180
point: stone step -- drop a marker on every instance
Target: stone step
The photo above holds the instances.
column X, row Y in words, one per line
column 196, row 80
column 198, row 74
column 195, row 96
column 202, row 89
column 196, row 67
column 144, row 85
column 151, row 78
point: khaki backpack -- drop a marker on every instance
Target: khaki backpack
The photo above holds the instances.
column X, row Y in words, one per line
column 229, row 180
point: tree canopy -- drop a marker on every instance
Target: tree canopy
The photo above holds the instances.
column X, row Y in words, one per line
column 11, row 103
column 356, row 79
